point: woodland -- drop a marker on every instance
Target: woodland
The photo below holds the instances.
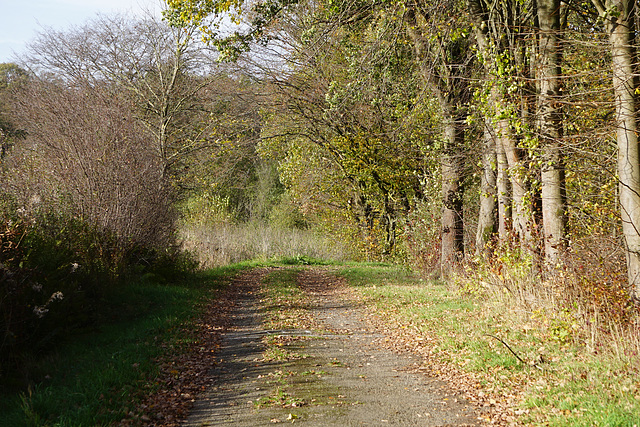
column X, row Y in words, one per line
column 491, row 145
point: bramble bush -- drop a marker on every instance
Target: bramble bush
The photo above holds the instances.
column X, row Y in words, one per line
column 53, row 273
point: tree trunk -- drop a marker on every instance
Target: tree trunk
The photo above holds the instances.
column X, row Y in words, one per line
column 522, row 208
column 487, row 214
column 491, row 39
column 452, row 192
column 444, row 75
column 504, row 199
column 550, row 128
column 621, row 37
column 488, row 191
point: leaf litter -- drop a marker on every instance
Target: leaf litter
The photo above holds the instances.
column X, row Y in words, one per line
column 185, row 374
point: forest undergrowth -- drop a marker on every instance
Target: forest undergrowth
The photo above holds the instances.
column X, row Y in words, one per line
column 103, row 375
column 560, row 347
column 437, row 138
column 535, row 353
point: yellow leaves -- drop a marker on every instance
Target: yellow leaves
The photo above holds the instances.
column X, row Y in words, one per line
column 196, row 13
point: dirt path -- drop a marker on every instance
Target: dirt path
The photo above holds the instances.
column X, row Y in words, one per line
column 332, row 374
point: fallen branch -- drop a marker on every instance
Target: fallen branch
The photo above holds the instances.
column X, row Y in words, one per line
column 513, row 352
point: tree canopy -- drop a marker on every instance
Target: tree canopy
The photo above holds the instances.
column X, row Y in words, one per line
column 384, row 91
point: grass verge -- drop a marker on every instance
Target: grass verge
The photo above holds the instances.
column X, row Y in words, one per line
column 98, row 377
column 560, row 383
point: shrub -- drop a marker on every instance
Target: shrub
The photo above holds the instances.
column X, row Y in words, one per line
column 422, row 233
column 54, row 271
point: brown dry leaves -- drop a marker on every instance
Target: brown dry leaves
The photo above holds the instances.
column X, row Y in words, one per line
column 497, row 407
column 185, row 374
column 184, row 371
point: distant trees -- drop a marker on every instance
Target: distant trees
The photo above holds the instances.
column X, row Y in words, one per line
column 105, row 130
column 163, row 72
column 340, row 128
column 519, row 47
column 86, row 154
column 366, row 106
column 12, row 77
column 115, row 112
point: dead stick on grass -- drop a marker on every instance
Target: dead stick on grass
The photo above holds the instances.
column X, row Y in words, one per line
column 513, row 352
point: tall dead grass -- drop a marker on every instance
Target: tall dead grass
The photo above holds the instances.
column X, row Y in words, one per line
column 583, row 302
column 223, row 244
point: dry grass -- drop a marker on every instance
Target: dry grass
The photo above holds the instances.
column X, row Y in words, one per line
column 230, row 243
column 585, row 330
column 570, row 370
column 593, row 312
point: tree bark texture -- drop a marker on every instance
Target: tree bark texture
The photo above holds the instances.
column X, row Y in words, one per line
column 487, row 219
column 621, row 36
column 550, row 129
column 522, row 208
column 503, row 193
column 452, row 192
column 492, row 22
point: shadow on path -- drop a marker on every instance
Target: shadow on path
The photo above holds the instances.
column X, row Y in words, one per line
column 337, row 377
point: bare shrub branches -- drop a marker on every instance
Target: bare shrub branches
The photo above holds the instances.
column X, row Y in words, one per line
column 91, row 158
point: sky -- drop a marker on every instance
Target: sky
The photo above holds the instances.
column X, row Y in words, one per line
column 21, row 20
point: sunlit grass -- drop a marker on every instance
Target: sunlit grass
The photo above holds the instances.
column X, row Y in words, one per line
column 284, row 303
column 97, row 378
column 560, row 382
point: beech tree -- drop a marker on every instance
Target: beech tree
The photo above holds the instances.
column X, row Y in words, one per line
column 620, row 18
column 550, row 125
column 515, row 68
column 442, row 49
column 489, row 26
column 503, row 32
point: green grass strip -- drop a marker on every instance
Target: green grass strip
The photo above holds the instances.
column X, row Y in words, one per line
column 98, row 377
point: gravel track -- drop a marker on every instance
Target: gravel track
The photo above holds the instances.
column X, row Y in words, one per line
column 336, row 376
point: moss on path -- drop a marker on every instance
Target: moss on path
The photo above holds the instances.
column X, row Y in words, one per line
column 324, row 369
